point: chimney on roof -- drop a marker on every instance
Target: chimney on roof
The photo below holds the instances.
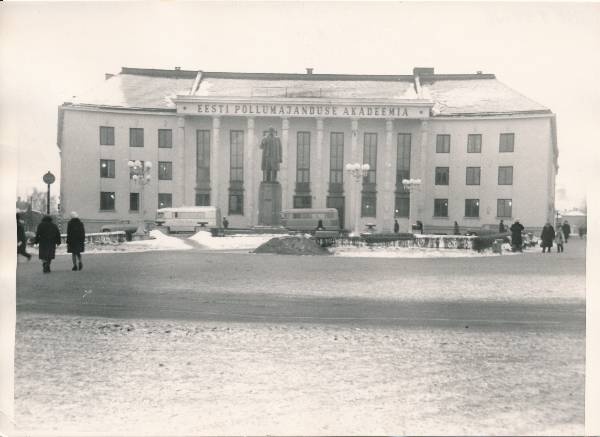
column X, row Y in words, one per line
column 419, row 71
column 309, row 71
column 108, row 76
column 177, row 68
column 479, row 72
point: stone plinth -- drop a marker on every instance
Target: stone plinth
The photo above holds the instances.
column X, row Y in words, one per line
column 269, row 203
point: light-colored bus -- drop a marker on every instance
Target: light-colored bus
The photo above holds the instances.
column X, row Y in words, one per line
column 307, row 219
column 189, row 218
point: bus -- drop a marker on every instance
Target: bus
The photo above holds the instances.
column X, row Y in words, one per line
column 188, row 218
column 307, row 219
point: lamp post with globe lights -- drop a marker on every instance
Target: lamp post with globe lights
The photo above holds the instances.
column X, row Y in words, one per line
column 140, row 175
column 411, row 185
column 358, row 171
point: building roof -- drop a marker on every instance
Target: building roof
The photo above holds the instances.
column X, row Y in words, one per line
column 450, row 94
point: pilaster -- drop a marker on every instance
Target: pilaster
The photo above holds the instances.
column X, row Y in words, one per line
column 386, row 208
column 418, row 165
column 186, row 178
column 317, row 180
column 214, row 162
column 285, row 169
column 354, row 155
column 249, row 173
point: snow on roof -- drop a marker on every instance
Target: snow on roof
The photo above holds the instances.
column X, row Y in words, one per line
column 450, row 94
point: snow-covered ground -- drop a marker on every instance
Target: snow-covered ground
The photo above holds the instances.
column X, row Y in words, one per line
column 411, row 252
column 232, row 242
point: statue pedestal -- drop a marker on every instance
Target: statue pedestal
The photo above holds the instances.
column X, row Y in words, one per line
column 269, row 203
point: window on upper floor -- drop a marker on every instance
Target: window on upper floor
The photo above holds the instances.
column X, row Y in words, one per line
column 473, row 175
column 107, row 136
column 165, row 170
column 474, row 143
column 165, row 138
column 442, row 175
column 442, row 143
column 107, row 168
column 505, row 175
column 136, row 137
column 507, row 142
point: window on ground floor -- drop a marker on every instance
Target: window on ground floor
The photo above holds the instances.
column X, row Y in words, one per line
column 504, row 208
column 302, row 201
column 165, row 200
column 440, row 207
column 107, row 201
column 134, row 201
column 402, row 207
column 236, row 203
column 369, row 204
column 471, row 207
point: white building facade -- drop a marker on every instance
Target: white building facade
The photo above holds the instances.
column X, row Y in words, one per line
column 482, row 152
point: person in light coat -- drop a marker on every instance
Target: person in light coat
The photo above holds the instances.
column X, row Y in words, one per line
column 560, row 239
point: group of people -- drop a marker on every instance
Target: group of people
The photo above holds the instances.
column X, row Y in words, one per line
column 560, row 236
column 47, row 236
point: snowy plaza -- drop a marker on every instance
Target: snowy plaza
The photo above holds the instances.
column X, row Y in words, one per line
column 207, row 338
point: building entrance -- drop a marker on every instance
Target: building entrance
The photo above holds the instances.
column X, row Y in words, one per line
column 338, row 203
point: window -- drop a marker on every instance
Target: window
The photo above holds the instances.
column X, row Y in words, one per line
column 473, row 175
column 165, row 200
column 507, row 143
column 440, row 207
column 336, row 161
column 134, row 201
column 442, row 144
column 107, row 136
column 369, row 204
column 471, row 207
column 107, row 168
column 165, row 138
column 236, row 161
column 403, row 160
column 402, row 207
column 107, row 201
column 442, row 175
column 131, row 170
column 165, row 170
column 236, row 203
column 474, row 143
column 202, row 199
column 504, row 208
column 505, row 175
column 370, row 157
column 303, row 158
column 136, row 137
column 302, row 201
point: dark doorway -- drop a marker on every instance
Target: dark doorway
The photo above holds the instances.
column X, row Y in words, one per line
column 337, row 202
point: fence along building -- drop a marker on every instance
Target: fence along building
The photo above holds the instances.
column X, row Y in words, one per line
column 482, row 151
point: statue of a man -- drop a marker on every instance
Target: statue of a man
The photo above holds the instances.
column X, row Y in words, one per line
column 271, row 156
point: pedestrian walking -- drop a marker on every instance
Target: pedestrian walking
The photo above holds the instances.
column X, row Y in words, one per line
column 75, row 240
column 566, row 228
column 560, row 239
column 396, row 227
column 501, row 227
column 516, row 231
column 456, row 229
column 548, row 235
column 47, row 236
column 225, row 223
column 22, row 239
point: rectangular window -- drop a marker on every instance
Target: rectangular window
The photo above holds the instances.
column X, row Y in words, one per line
column 236, row 158
column 107, row 168
column 507, row 143
column 236, row 203
column 474, row 143
column 302, row 201
column 165, row 200
column 136, row 137
column 505, row 175
column 440, row 207
column 203, row 159
column 202, row 199
column 471, row 207
column 369, row 204
column 165, row 138
column 107, row 201
column 403, row 160
column 165, row 170
column 134, row 201
column 402, row 208
column 504, row 208
column 370, row 157
column 442, row 175
column 442, row 144
column 336, row 159
column 107, row 136
column 303, row 158
column 473, row 175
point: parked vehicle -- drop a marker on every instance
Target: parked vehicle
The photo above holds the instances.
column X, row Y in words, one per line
column 188, row 218
column 125, row 226
column 307, row 219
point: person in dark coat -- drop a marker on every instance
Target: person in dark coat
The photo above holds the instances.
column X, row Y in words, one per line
column 501, row 227
column 22, row 239
column 516, row 236
column 566, row 228
column 320, row 226
column 456, row 229
column 396, row 227
column 548, row 235
column 48, row 237
column 225, row 223
column 75, row 240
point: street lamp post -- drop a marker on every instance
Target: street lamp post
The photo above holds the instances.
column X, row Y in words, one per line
column 411, row 185
column 357, row 171
column 140, row 174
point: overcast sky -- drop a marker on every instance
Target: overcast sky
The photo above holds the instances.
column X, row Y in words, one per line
column 49, row 52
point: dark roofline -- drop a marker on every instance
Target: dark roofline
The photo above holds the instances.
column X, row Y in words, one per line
column 484, row 114
column 191, row 74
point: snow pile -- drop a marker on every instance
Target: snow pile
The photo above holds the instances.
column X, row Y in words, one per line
column 236, row 241
column 297, row 245
column 158, row 241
